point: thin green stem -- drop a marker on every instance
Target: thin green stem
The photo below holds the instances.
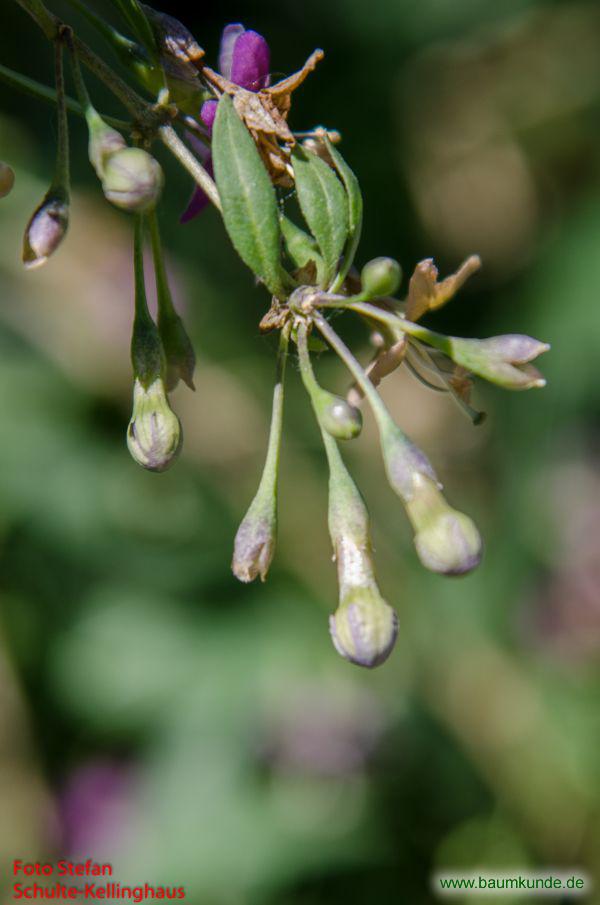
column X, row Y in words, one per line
column 166, row 309
column 45, row 93
column 61, row 173
column 185, row 157
column 268, row 481
column 381, row 413
column 142, row 312
column 51, row 24
column 437, row 340
column 306, row 369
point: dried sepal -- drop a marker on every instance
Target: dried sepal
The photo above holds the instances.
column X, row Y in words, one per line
column 426, row 294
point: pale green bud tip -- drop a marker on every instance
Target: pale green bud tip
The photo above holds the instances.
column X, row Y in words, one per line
column 340, row 419
column 364, row 628
column 132, row 180
column 254, row 546
column 45, row 231
column 154, row 435
column 381, row 276
column 7, row 179
column 446, row 540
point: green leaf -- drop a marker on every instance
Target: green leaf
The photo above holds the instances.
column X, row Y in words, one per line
column 355, row 206
column 301, row 248
column 324, row 205
column 247, row 197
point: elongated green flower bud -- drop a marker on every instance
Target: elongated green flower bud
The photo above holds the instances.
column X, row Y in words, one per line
column 46, row 229
column 132, row 180
column 364, row 627
column 381, row 276
column 254, row 544
column 7, row 179
column 154, row 436
column 504, row 360
column 446, row 540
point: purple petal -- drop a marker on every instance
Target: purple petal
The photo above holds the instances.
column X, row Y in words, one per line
column 230, row 35
column 198, row 201
column 208, row 113
column 251, row 61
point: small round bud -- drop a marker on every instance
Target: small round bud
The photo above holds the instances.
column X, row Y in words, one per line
column 381, row 276
column 154, row 435
column 7, row 179
column 132, row 180
column 364, row 627
column 340, row 419
column 45, row 231
column 446, row 540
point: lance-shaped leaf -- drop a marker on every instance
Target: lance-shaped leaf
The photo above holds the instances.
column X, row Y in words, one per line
column 355, row 204
column 324, row 204
column 247, row 197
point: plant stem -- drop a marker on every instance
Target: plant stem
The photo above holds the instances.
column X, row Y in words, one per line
column 437, row 340
column 45, row 93
column 50, row 25
column 381, row 413
column 61, row 173
column 185, row 157
column 268, row 481
column 142, row 312
column 166, row 309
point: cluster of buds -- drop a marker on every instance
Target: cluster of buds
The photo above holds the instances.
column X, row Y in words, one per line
column 236, row 143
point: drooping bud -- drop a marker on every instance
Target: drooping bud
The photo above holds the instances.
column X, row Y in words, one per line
column 46, row 229
column 7, row 179
column 132, row 180
column 340, row 419
column 154, row 435
column 504, row 360
column 381, row 276
column 48, row 223
column 364, row 627
column 255, row 540
column 254, row 545
column 446, row 540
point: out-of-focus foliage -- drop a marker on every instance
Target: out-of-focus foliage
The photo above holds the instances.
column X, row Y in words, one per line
column 155, row 713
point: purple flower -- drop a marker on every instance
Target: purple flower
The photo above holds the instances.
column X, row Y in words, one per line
column 244, row 59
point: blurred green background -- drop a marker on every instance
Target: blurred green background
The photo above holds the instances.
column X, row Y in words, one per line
column 155, row 713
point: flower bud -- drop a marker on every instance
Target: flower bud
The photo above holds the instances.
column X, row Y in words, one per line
column 503, row 360
column 7, row 179
column 446, row 540
column 103, row 141
column 46, row 229
column 254, row 545
column 340, row 419
column 381, row 276
column 132, row 180
column 154, row 434
column 364, row 627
